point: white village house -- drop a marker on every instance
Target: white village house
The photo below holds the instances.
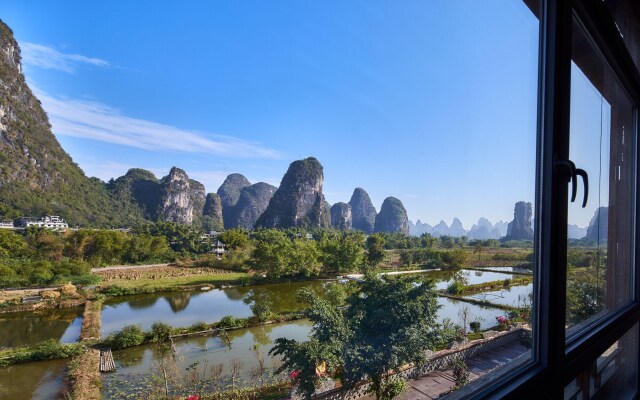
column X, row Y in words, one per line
column 48, row 221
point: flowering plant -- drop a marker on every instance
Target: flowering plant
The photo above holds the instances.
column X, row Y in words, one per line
column 193, row 397
column 502, row 320
column 294, row 374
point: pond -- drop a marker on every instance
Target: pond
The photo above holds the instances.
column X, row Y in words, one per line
column 444, row 278
column 42, row 380
column 139, row 368
column 183, row 309
column 29, row 329
column 514, row 296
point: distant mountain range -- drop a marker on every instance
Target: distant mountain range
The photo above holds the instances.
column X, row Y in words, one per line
column 482, row 230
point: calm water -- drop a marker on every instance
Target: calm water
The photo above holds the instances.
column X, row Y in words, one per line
column 186, row 308
column 29, row 329
column 42, row 380
column 137, row 366
column 138, row 369
column 467, row 277
column 183, row 309
column 507, row 297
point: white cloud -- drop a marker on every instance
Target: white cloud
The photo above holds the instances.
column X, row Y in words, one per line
column 49, row 58
column 97, row 121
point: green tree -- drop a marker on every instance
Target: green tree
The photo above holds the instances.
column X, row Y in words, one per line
column 12, row 244
column 375, row 249
column 261, row 307
column 304, row 258
column 585, row 293
column 271, row 253
column 478, row 249
column 235, row 239
column 342, row 251
column 427, row 241
column 386, row 325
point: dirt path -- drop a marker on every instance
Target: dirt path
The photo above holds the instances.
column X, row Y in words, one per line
column 120, row 267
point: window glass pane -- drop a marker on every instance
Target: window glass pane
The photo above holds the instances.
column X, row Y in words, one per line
column 602, row 146
column 613, row 375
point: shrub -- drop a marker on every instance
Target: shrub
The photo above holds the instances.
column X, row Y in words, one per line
column 129, row 336
column 455, row 288
column 392, row 388
column 118, row 291
column 199, row 326
column 506, row 282
column 160, row 331
column 52, row 349
column 460, row 372
column 262, row 310
column 475, row 326
column 227, row 322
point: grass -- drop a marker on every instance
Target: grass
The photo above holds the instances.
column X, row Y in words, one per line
column 48, row 350
column 83, row 377
column 91, row 321
column 150, row 285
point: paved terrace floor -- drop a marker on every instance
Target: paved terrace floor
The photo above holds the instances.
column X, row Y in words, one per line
column 435, row 383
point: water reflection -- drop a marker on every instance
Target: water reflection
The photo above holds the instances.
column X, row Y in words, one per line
column 514, row 296
column 42, row 380
column 29, row 329
column 187, row 308
column 136, row 366
column 179, row 301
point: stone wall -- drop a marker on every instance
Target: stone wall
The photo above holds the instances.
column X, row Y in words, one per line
column 438, row 360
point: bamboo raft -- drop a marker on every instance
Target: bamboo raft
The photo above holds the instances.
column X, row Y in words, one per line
column 106, row 361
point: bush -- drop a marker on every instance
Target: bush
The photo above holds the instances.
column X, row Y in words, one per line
column 129, row 336
column 475, row 326
column 392, row 388
column 160, row 331
column 52, row 349
column 229, row 322
column 455, row 288
column 199, row 326
column 460, row 372
column 118, row 291
column 510, row 256
column 506, row 282
column 261, row 310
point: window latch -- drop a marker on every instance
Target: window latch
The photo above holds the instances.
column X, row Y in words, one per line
column 572, row 177
column 585, row 180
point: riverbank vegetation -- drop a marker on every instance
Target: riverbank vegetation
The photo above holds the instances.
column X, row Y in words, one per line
column 83, row 380
column 47, row 350
column 457, row 287
column 90, row 329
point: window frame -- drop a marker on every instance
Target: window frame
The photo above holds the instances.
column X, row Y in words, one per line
column 556, row 361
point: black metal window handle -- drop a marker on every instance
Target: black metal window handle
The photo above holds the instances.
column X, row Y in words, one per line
column 585, row 180
column 571, row 177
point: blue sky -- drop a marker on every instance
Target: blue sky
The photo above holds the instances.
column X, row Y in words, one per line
column 433, row 102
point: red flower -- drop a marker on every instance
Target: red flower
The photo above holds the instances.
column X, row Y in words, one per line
column 293, row 375
column 193, row 397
